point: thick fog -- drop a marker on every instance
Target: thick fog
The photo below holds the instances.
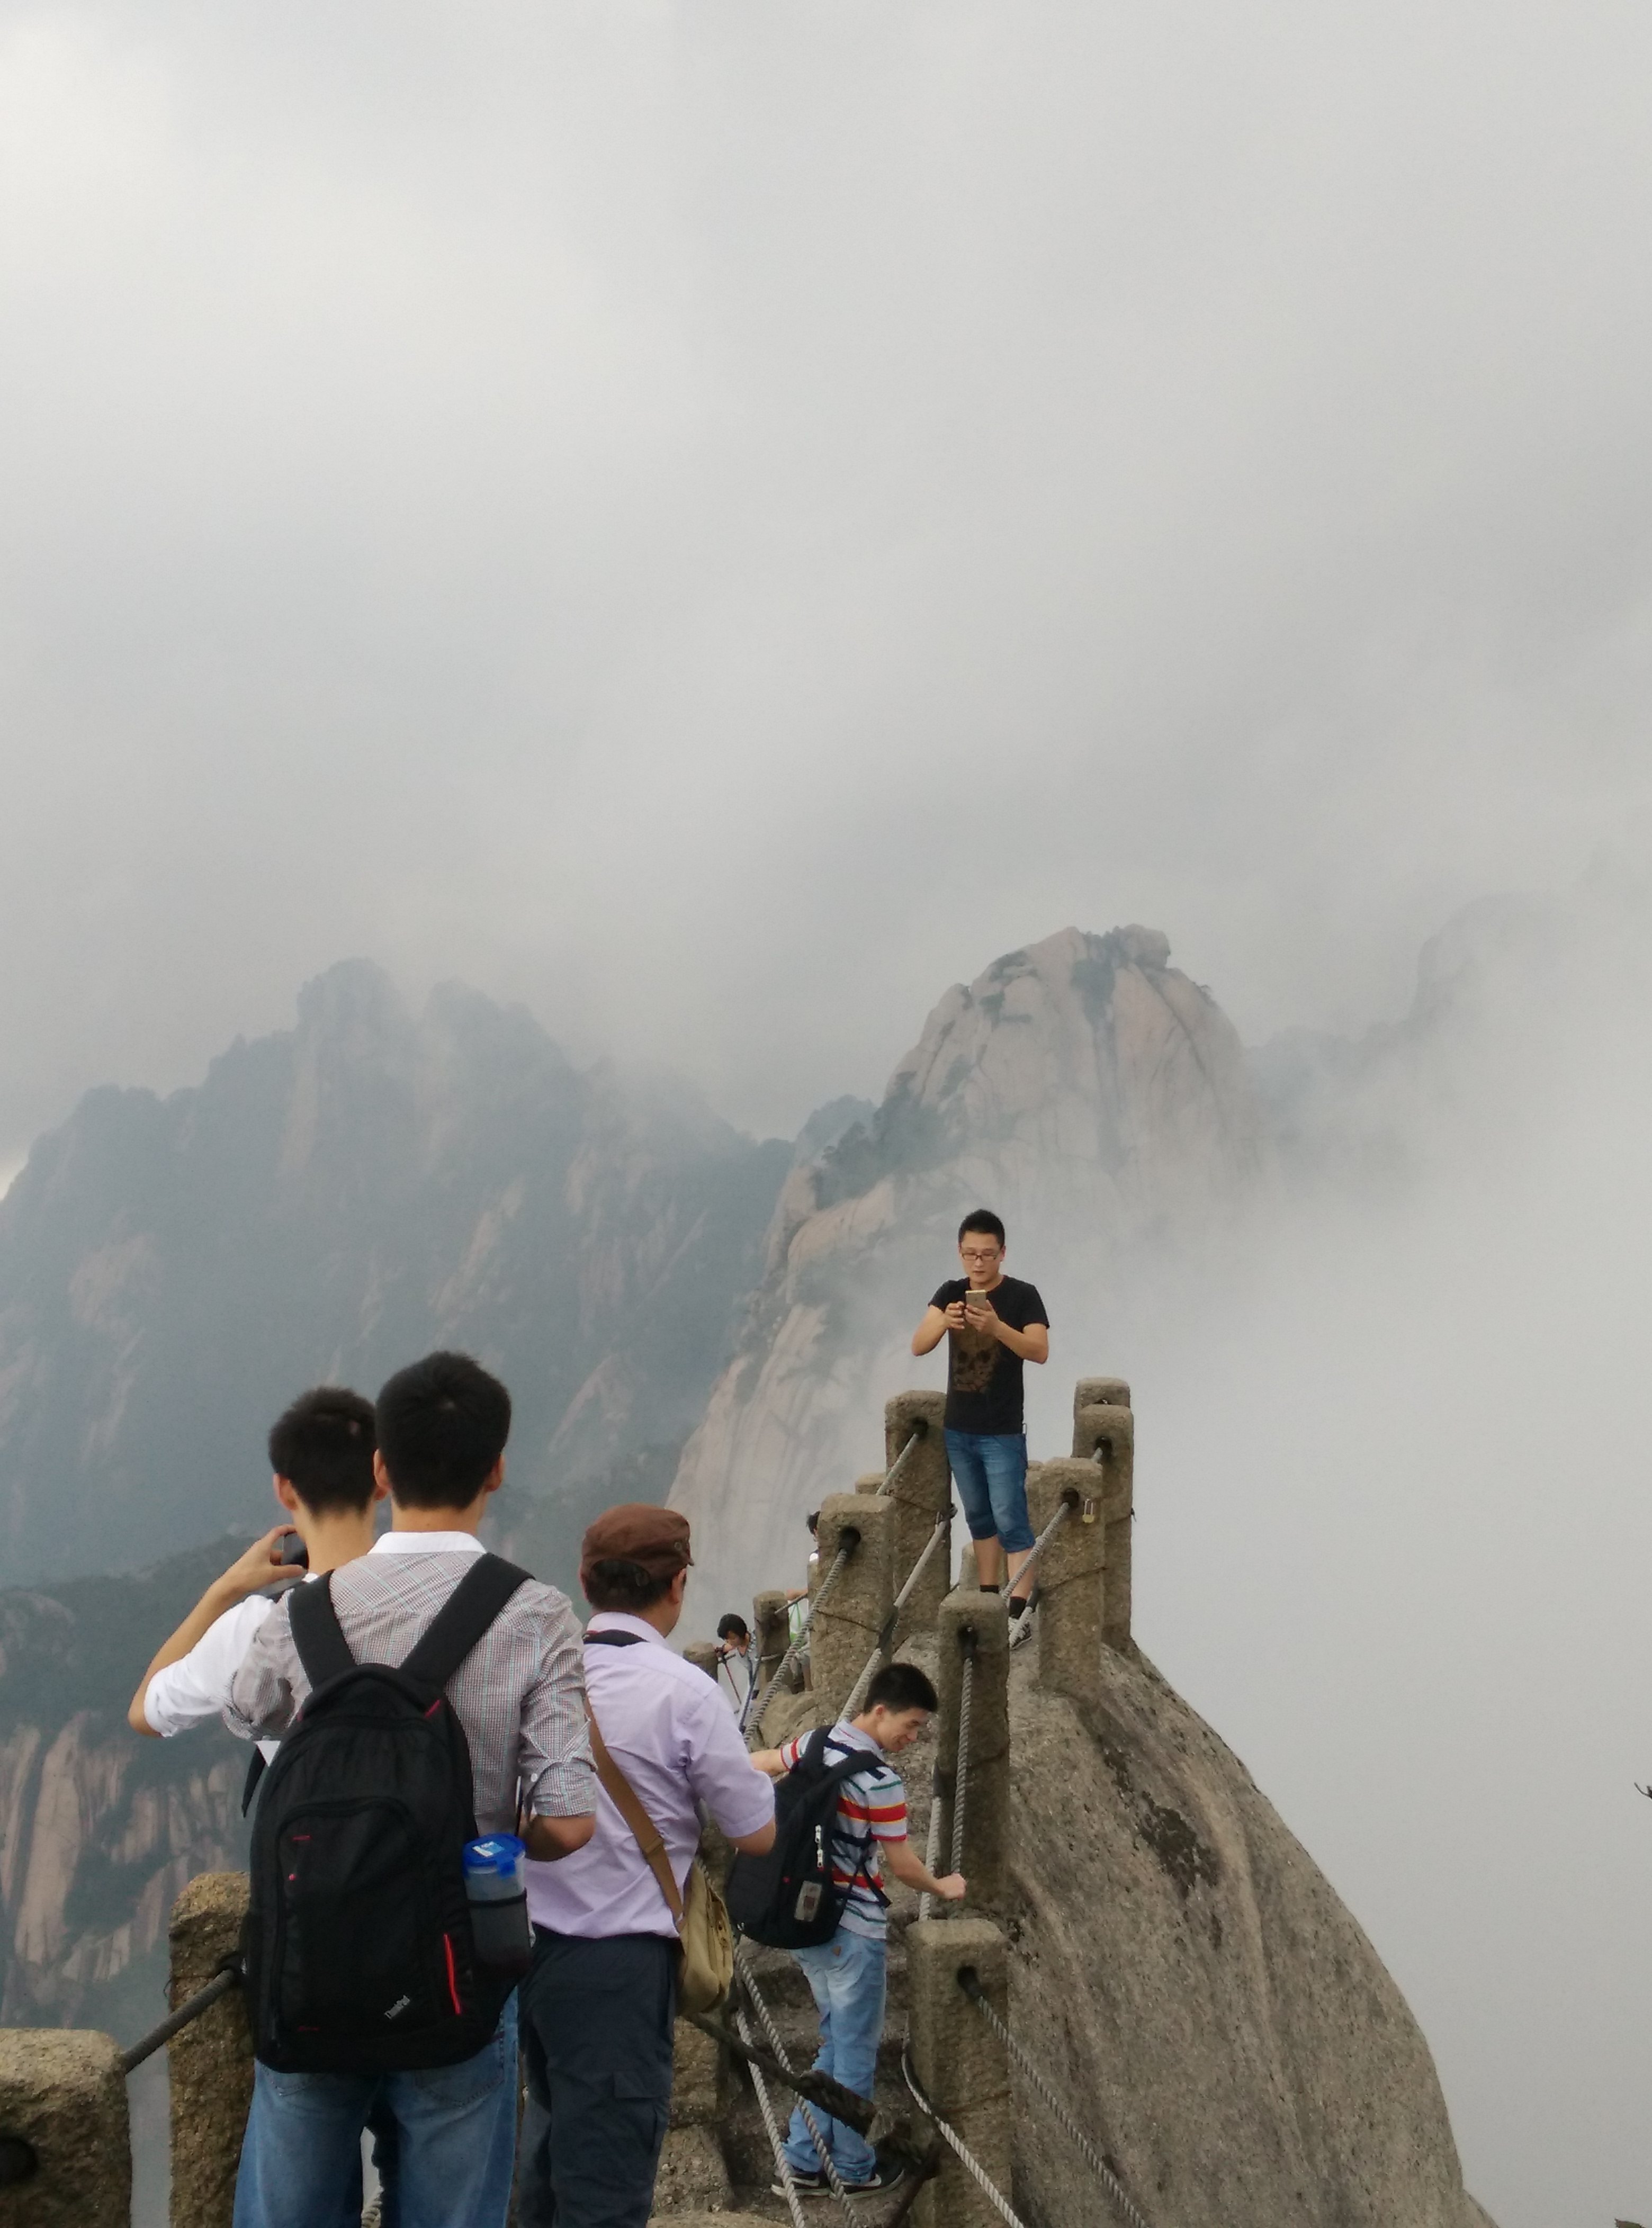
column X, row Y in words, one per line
column 718, row 520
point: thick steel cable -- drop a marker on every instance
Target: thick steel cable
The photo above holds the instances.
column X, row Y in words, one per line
column 816, row 2133
column 885, row 1638
column 794, row 2203
column 796, row 1650
column 1122, row 2203
column 961, row 1766
column 960, row 2149
column 895, row 1467
column 227, row 1976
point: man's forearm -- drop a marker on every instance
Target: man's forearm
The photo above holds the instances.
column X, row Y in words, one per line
column 909, row 1867
column 549, row 1838
column 200, row 1621
column 1026, row 1344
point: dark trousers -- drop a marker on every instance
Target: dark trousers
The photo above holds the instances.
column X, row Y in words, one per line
column 596, row 2030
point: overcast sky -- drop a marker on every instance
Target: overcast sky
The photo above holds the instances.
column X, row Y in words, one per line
column 718, row 519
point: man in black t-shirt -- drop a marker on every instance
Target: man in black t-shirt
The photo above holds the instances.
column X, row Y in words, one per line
column 992, row 1323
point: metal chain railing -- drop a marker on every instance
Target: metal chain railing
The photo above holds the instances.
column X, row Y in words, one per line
column 886, row 1636
column 794, row 2204
column 960, row 2149
column 1122, row 2203
column 850, row 1542
column 227, row 1976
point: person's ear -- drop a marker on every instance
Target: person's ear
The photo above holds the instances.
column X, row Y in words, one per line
column 381, row 1474
column 496, row 1477
column 287, row 1493
column 679, row 1587
column 381, row 1485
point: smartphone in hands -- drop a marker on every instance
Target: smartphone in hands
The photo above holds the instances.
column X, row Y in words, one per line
column 294, row 1552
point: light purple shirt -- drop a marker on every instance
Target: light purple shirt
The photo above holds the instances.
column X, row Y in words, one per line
column 670, row 1730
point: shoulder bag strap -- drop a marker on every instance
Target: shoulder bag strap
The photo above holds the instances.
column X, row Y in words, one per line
column 317, row 1634
column 618, row 1789
column 462, row 1620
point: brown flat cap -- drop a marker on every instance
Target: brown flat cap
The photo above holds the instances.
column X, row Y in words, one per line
column 637, row 1531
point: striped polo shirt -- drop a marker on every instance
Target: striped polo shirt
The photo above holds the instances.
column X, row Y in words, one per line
column 871, row 1807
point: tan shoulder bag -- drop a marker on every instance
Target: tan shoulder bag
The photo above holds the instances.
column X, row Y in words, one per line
column 705, row 1938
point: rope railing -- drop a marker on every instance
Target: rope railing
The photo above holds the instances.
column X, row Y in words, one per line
column 899, row 1463
column 771, row 2126
column 887, row 1636
column 227, row 1976
column 849, row 1540
column 1118, row 2195
column 960, row 1768
column 959, row 2148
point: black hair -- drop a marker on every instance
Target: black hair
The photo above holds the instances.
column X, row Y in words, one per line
column 442, row 1424
column 322, row 1445
column 617, row 1583
column 985, row 1221
column 900, row 1686
column 813, row 1519
column 733, row 1628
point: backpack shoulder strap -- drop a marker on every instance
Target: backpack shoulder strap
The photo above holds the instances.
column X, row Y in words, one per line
column 622, row 1795
column 317, row 1633
column 462, row 1619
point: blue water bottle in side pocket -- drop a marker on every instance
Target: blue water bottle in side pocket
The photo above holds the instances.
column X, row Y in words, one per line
column 497, row 1888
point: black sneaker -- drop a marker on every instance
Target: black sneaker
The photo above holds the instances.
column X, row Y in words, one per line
column 807, row 2182
column 886, row 2177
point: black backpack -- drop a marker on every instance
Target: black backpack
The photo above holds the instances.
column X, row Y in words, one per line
column 789, row 1899
column 358, row 1949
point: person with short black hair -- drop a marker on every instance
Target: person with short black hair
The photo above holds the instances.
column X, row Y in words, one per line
column 320, row 1452
column 518, row 1695
column 599, row 2003
column 847, row 1975
column 992, row 1324
column 737, row 1664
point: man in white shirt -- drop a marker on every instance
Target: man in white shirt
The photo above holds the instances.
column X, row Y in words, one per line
column 599, row 2005
column 737, row 1665
column 320, row 1452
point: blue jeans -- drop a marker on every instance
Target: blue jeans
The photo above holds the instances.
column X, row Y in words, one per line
column 990, row 1468
column 846, row 1976
column 455, row 2143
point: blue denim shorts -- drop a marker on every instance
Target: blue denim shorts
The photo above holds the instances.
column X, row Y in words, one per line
column 989, row 1470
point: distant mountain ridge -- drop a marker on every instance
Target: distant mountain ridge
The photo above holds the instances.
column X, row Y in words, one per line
column 332, row 1201
column 1082, row 1086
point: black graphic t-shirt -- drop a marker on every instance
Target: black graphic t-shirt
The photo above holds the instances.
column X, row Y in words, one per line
column 983, row 1378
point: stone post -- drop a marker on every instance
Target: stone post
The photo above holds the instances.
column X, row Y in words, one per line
column 63, row 2130
column 847, row 1627
column 769, row 1632
column 921, row 1492
column 980, row 1622
column 963, row 2067
column 1106, row 1433
column 1097, row 1393
column 1072, row 1577
column 702, row 1654
column 210, row 2062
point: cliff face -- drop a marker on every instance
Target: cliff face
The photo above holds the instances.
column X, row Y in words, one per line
column 330, row 1202
column 1084, row 1089
column 1183, row 1965
column 99, row 1830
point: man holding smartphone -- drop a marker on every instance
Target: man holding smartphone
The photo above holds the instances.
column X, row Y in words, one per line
column 993, row 1324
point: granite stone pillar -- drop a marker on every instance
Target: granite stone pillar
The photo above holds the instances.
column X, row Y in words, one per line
column 922, row 1492
column 64, row 2131
column 1105, row 1432
column 210, row 2062
column 769, row 1632
column 963, row 2067
column 979, row 1623
column 1072, row 1577
column 702, row 1654
column 851, row 1618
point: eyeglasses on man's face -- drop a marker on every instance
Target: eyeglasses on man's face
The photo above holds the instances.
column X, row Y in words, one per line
column 978, row 1253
